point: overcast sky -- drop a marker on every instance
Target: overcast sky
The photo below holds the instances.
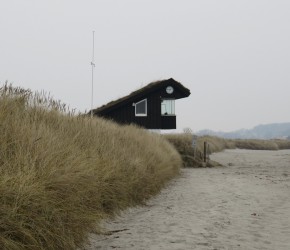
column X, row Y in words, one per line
column 234, row 55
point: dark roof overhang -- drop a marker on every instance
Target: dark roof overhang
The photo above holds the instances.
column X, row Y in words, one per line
column 140, row 93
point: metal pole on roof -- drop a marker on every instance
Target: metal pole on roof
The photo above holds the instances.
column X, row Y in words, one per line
column 93, row 66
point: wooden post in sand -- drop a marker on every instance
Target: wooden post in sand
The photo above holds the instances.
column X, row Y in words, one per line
column 204, row 151
column 193, row 144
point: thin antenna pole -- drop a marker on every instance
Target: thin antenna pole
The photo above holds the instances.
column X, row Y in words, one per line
column 93, row 66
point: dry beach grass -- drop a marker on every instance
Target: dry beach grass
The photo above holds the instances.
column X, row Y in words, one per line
column 194, row 158
column 61, row 173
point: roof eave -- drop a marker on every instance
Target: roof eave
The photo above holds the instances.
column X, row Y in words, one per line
column 141, row 93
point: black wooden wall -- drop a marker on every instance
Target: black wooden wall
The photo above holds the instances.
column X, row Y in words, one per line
column 125, row 114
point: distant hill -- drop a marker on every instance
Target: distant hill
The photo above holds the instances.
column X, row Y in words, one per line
column 267, row 131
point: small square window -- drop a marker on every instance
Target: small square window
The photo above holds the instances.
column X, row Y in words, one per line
column 141, row 108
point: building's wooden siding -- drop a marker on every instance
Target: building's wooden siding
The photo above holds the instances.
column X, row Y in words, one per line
column 168, row 122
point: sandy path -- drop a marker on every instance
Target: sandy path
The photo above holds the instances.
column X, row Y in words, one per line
column 245, row 205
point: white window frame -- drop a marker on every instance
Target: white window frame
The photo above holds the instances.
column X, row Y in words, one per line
column 168, row 99
column 135, row 104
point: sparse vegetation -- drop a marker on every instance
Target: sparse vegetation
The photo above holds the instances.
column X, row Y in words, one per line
column 194, row 158
column 61, row 173
column 255, row 144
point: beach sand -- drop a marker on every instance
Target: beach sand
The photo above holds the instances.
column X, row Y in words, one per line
column 243, row 205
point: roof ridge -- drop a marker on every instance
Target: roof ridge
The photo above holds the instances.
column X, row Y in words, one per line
column 142, row 91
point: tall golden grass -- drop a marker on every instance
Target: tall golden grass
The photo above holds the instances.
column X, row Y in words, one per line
column 61, row 173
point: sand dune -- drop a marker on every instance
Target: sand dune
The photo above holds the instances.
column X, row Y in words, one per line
column 244, row 205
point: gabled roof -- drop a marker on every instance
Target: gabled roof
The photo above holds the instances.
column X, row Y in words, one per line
column 151, row 87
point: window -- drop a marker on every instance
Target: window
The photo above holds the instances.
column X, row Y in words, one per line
column 141, row 108
column 168, row 107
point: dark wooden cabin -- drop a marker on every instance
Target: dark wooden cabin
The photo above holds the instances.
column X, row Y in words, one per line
column 151, row 107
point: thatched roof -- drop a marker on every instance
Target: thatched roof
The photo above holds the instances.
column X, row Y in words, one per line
column 153, row 86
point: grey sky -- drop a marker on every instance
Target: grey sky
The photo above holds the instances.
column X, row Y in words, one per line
column 233, row 55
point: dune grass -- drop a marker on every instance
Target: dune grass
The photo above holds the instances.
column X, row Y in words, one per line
column 255, row 144
column 194, row 157
column 61, row 173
